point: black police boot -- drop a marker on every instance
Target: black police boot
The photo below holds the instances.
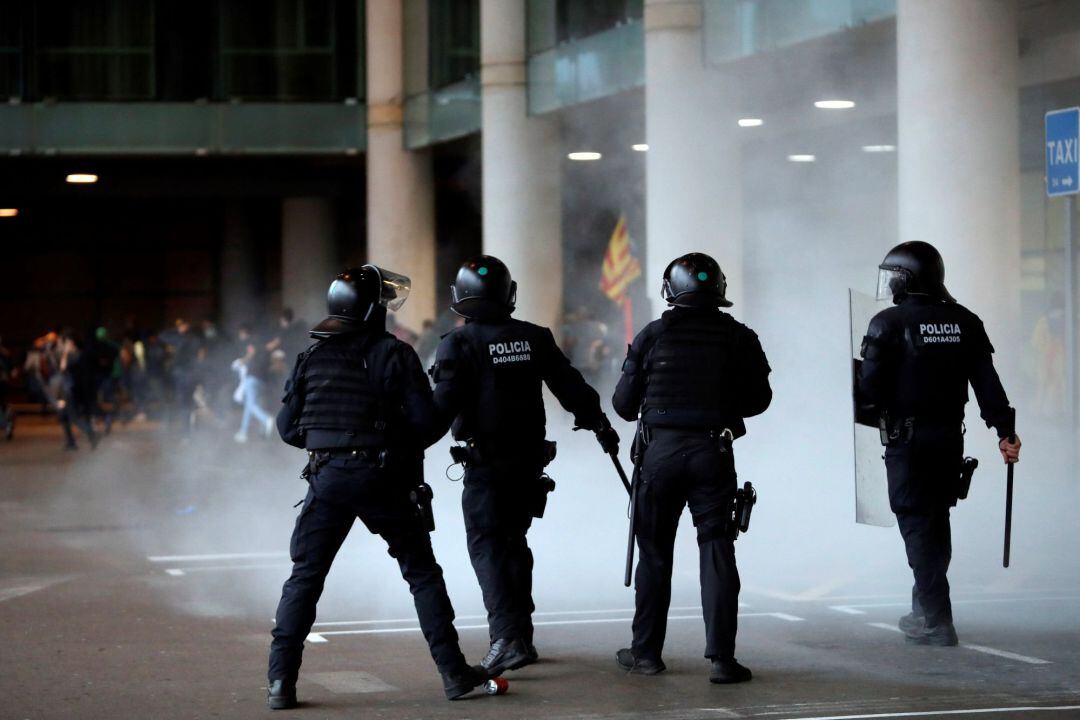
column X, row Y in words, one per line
column 533, row 655
column 941, row 635
column 505, row 654
column 727, row 671
column 911, row 624
column 461, row 681
column 638, row 666
column 281, row 695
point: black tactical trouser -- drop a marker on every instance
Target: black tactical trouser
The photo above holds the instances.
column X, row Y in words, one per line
column 923, row 476
column 928, row 541
column 498, row 502
column 680, row 468
column 341, row 491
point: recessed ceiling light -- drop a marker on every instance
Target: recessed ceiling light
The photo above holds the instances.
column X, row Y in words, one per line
column 751, row 122
column 81, row 178
column 834, row 104
column 640, row 147
column 802, row 158
column 879, row 148
column 9, row 212
column 584, row 156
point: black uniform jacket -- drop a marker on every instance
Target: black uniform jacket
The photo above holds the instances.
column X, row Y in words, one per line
column 918, row 358
column 488, row 383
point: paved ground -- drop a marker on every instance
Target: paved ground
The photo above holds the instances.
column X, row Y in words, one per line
column 139, row 581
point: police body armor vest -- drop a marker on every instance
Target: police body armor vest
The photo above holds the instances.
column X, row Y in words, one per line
column 341, row 390
column 688, row 374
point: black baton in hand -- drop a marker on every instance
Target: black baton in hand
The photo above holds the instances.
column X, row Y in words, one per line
column 1008, row 508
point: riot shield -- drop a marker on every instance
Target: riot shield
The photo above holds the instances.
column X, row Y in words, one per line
column 871, row 486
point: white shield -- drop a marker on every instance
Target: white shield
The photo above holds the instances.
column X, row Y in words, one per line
column 871, row 486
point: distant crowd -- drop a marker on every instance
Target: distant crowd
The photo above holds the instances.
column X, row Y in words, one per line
column 192, row 376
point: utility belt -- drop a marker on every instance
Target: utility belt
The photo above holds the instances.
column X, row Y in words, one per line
column 318, row 458
column 472, row 454
column 724, row 436
column 901, row 431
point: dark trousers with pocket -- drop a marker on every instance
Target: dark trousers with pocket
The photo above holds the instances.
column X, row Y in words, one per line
column 498, row 503
column 928, row 542
column 924, row 473
column 685, row 468
column 341, row 491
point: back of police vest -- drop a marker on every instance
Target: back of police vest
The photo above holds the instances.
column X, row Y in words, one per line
column 342, row 390
column 690, row 372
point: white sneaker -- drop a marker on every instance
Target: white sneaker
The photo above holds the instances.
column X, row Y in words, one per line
column 240, row 437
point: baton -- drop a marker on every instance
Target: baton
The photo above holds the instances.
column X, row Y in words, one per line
column 631, row 490
column 622, row 473
column 1008, row 509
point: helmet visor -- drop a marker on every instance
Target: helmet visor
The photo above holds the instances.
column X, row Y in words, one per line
column 393, row 288
column 890, row 282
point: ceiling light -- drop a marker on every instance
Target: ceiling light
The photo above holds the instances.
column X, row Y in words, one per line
column 9, row 212
column 82, row 178
column 802, row 158
column 640, row 147
column 834, row 104
column 879, row 148
column 584, row 156
column 751, row 122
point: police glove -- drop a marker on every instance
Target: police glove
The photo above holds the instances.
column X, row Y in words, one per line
column 607, row 437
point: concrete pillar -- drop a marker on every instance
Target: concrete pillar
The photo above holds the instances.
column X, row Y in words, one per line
column 693, row 195
column 239, row 280
column 309, row 257
column 522, row 160
column 400, row 196
column 959, row 159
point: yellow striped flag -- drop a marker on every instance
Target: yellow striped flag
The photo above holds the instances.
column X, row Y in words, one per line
column 620, row 267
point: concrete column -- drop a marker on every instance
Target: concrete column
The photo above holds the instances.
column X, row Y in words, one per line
column 959, row 159
column 693, row 195
column 522, row 160
column 309, row 257
column 400, row 195
column 239, row 279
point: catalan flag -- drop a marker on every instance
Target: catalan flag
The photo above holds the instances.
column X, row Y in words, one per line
column 620, row 267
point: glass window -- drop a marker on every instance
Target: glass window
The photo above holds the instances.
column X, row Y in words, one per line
column 288, row 49
column 95, row 49
column 10, row 50
column 580, row 18
column 453, row 41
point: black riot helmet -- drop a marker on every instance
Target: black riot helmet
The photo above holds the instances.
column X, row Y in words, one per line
column 483, row 288
column 912, row 268
column 695, row 280
column 361, row 296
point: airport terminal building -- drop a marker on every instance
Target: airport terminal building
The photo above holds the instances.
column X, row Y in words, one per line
column 245, row 151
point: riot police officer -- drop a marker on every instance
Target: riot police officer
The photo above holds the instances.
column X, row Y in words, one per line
column 359, row 402
column 693, row 376
column 488, row 377
column 918, row 358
